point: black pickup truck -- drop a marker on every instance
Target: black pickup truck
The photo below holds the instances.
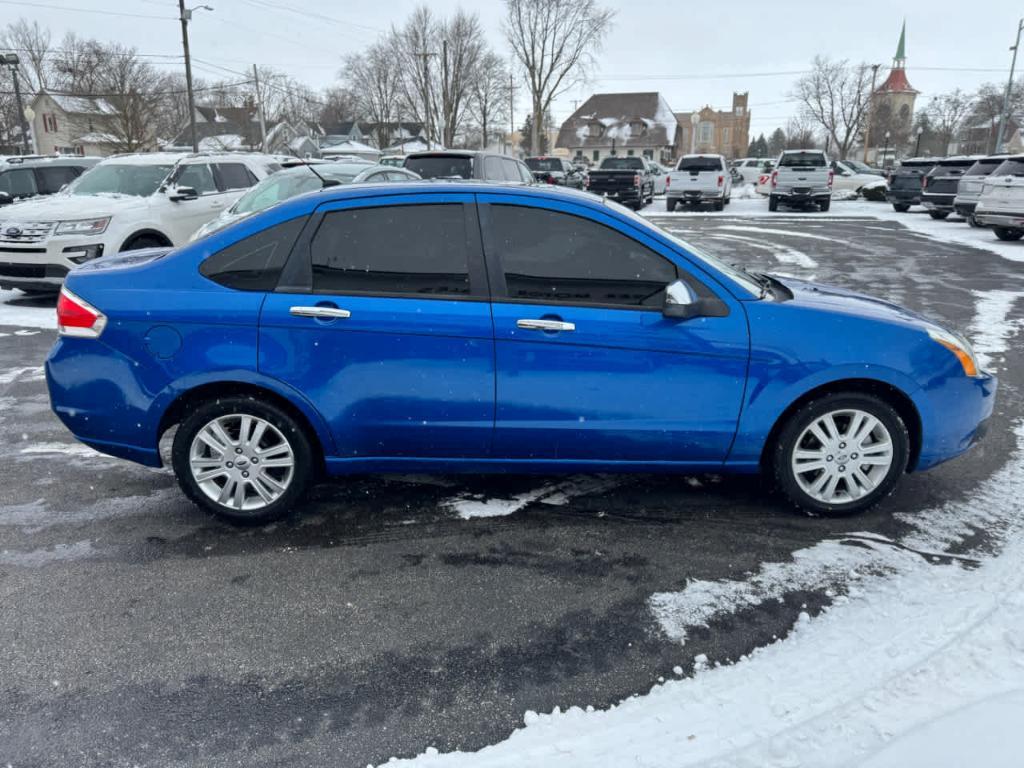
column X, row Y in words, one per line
column 627, row 180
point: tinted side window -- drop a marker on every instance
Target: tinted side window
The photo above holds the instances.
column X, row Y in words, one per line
column 50, row 180
column 561, row 258
column 524, row 173
column 234, row 176
column 255, row 263
column 419, row 250
column 198, row 176
column 18, row 183
column 492, row 169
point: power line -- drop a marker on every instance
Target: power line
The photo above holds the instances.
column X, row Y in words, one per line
column 179, row 92
column 85, row 10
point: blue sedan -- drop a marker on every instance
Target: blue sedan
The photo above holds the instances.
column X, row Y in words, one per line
column 467, row 327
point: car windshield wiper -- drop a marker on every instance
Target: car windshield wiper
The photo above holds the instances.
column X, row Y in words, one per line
column 763, row 281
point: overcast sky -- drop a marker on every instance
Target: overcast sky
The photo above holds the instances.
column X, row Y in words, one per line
column 694, row 53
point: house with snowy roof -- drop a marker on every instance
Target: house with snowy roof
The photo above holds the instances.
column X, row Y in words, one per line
column 237, row 129
column 79, row 125
column 627, row 124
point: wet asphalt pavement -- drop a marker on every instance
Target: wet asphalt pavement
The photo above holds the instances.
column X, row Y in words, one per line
column 137, row 631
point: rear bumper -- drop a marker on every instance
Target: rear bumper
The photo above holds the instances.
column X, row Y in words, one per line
column 964, row 208
column 1000, row 219
column 940, row 202
column 904, row 196
column 695, row 195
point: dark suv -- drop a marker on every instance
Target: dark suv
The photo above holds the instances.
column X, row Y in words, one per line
column 555, row 170
column 467, row 164
column 905, row 182
column 938, row 191
column 24, row 177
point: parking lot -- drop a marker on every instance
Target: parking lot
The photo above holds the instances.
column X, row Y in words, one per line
column 400, row 613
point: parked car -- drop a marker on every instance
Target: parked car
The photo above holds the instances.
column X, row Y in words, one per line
column 801, row 177
column 298, row 180
column 905, row 182
column 861, row 167
column 659, row 176
column 939, row 187
column 467, row 164
column 34, row 176
column 555, row 170
column 121, row 204
column 395, row 161
column 699, row 179
column 1001, row 205
column 751, row 168
column 968, row 192
column 468, row 327
column 846, row 177
column 627, row 180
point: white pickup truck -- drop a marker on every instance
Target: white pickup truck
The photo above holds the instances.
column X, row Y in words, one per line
column 801, row 177
column 699, row 179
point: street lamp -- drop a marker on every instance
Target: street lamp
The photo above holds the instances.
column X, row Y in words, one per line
column 1005, row 114
column 185, row 17
column 917, row 147
column 885, row 152
column 11, row 60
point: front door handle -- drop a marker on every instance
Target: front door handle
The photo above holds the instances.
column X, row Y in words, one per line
column 545, row 325
column 330, row 313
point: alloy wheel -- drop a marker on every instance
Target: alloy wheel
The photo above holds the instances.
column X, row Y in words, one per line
column 842, row 456
column 241, row 461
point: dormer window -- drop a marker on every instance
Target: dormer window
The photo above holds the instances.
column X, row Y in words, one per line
column 595, row 129
column 637, row 127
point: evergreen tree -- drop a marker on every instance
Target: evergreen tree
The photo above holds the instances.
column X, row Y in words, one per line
column 776, row 142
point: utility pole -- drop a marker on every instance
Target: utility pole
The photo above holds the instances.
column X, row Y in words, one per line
column 259, row 110
column 444, row 89
column 1005, row 116
column 11, row 60
column 185, row 15
column 871, row 111
column 511, row 111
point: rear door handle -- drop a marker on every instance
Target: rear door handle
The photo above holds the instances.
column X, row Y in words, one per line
column 545, row 325
column 331, row 313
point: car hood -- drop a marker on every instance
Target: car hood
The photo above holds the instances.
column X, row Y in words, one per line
column 830, row 298
column 65, row 207
column 224, row 219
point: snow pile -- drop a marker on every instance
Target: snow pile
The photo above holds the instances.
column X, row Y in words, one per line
column 16, row 309
column 469, row 506
column 991, row 329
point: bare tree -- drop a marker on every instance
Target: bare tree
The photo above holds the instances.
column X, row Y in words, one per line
column 79, row 64
column 132, row 87
column 462, row 48
column 337, row 105
column 372, row 75
column 32, row 44
column 946, row 114
column 554, row 42
column 800, row 134
column 835, row 95
column 490, row 95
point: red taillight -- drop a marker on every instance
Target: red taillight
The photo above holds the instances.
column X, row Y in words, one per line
column 668, row 180
column 831, row 175
column 721, row 180
column 924, row 182
column 76, row 317
column 775, row 178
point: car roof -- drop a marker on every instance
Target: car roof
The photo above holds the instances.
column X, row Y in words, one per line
column 33, row 161
column 453, row 153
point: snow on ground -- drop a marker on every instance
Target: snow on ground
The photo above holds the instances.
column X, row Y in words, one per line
column 991, row 329
column 17, row 309
column 472, row 506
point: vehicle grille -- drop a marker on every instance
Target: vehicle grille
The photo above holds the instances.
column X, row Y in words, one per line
column 25, row 231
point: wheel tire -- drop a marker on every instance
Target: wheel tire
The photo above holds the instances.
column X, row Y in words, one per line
column 288, row 427
column 972, row 220
column 143, row 241
column 718, row 205
column 670, row 204
column 900, row 207
column 1008, row 233
column 728, row 200
column 938, row 215
column 773, row 203
column 798, row 422
column 823, row 207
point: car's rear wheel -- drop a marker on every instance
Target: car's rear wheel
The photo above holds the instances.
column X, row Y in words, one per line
column 972, row 220
column 900, row 207
column 841, row 454
column 670, row 204
column 773, row 203
column 824, row 205
column 718, row 205
column 245, row 460
column 1008, row 233
column 938, row 214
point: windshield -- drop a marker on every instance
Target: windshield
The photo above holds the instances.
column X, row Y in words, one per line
column 441, row 166
column 738, row 275
column 121, row 179
column 276, row 188
column 802, row 160
column 696, row 164
column 543, row 164
column 622, row 164
column 860, row 167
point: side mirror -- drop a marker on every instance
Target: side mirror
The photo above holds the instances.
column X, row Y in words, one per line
column 682, row 303
column 5, row 199
column 179, row 194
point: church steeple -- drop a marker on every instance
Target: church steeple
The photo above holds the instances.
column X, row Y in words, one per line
column 899, row 61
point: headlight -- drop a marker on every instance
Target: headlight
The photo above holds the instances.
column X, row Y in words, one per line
column 959, row 346
column 83, row 226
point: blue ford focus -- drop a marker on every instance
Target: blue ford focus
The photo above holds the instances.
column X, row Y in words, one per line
column 471, row 327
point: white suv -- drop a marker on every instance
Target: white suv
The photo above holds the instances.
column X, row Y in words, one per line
column 1001, row 205
column 123, row 203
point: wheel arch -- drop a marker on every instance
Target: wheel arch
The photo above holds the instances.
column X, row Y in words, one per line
column 894, row 396
column 146, row 232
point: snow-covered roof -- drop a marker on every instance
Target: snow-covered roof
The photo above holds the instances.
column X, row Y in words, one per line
column 228, row 141
column 349, row 147
column 82, row 105
column 631, row 119
column 96, row 137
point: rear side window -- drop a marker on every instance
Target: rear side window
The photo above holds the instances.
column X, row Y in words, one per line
column 492, row 169
column 511, row 169
column 697, row 164
column 441, row 166
column 983, row 168
column 415, row 250
column 622, row 164
column 802, row 160
column 1012, row 167
column 561, row 258
column 255, row 263
column 234, row 176
column 51, row 179
column 524, row 173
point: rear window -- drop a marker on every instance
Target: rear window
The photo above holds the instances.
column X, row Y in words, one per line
column 622, row 164
column 699, row 164
column 441, row 166
column 1012, row 167
column 802, row 160
column 255, row 263
column 543, row 164
column 950, row 169
column 983, row 167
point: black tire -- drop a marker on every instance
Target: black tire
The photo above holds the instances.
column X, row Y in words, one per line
column 900, row 207
column 972, row 220
column 773, row 203
column 728, row 200
column 824, row 205
column 718, row 205
column 670, row 204
column 143, row 241
column 285, row 423
column 938, row 215
column 1008, row 233
column 786, row 443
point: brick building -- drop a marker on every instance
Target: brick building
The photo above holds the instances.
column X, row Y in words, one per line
column 716, row 131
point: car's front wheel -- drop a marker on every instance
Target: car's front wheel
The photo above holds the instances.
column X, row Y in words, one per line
column 245, row 460
column 841, row 454
column 900, row 207
column 938, row 214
